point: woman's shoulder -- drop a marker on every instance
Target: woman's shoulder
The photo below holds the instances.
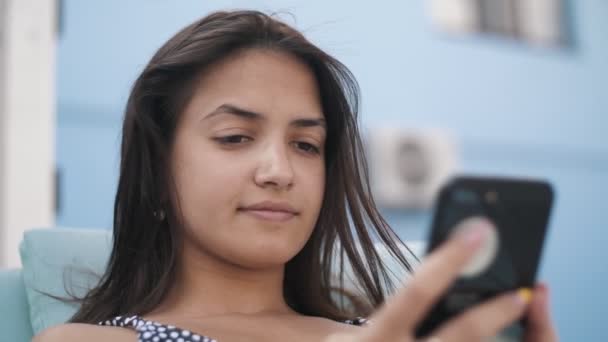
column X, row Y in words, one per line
column 84, row 332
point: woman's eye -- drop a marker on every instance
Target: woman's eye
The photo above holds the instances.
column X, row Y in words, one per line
column 233, row 139
column 308, row 148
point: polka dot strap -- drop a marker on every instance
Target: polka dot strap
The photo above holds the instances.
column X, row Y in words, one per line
column 360, row 321
column 149, row 331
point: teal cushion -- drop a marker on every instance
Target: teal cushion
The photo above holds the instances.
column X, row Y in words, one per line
column 59, row 261
column 15, row 321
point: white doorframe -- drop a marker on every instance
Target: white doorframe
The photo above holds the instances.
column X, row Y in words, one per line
column 27, row 121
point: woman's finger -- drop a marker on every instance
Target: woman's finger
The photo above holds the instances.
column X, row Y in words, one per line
column 485, row 320
column 403, row 311
column 540, row 327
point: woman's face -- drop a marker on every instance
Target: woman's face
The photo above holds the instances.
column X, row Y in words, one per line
column 248, row 160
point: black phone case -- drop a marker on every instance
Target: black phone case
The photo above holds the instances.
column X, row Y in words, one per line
column 520, row 209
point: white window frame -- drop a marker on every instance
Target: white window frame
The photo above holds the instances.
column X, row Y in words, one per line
column 27, row 121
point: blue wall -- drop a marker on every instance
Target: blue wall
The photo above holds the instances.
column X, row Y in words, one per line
column 516, row 110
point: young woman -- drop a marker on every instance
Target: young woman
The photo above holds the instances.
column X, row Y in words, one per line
column 243, row 192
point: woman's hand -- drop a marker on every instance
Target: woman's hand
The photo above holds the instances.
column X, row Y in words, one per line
column 540, row 327
column 397, row 319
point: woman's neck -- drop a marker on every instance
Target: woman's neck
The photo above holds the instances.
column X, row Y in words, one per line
column 205, row 285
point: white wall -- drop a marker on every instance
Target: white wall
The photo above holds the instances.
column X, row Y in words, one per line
column 27, row 121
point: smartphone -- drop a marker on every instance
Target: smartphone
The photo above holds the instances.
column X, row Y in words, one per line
column 520, row 210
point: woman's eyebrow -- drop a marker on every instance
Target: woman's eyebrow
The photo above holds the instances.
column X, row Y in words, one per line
column 318, row 122
column 230, row 109
column 234, row 110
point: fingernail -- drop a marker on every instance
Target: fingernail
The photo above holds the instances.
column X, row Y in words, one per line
column 523, row 296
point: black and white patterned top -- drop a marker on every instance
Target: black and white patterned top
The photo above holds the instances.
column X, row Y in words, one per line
column 150, row 331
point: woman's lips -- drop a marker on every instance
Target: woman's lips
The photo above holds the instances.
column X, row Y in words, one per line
column 269, row 215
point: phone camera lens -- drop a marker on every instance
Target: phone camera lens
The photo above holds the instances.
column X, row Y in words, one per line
column 491, row 197
column 465, row 196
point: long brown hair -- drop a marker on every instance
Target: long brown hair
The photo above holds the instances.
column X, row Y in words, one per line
column 141, row 267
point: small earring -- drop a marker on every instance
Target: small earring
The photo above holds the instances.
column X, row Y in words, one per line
column 160, row 214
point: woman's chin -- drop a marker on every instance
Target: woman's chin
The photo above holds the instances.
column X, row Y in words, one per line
column 264, row 255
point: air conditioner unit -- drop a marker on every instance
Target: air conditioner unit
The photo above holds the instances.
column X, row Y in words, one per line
column 408, row 166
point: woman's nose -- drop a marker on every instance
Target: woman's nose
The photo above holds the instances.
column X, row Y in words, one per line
column 274, row 168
